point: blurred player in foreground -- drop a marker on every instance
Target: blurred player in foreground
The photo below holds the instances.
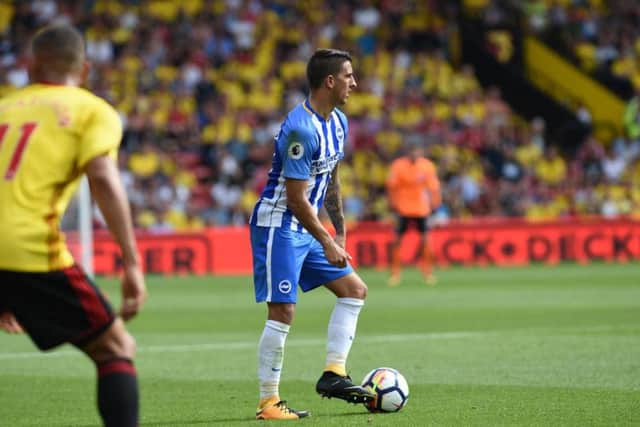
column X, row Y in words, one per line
column 414, row 192
column 51, row 133
column 291, row 247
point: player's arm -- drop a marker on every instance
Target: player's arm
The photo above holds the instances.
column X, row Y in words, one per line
column 101, row 135
column 108, row 192
column 392, row 178
column 392, row 183
column 296, row 157
column 333, row 206
column 299, row 204
column 434, row 189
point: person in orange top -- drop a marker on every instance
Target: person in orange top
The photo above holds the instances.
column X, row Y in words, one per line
column 414, row 192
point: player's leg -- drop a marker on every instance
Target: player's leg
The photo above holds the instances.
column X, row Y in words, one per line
column 401, row 228
column 426, row 261
column 271, row 351
column 351, row 292
column 275, row 277
column 8, row 322
column 113, row 352
column 66, row 306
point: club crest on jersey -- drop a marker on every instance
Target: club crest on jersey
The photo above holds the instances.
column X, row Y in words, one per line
column 296, row 150
column 284, row 286
column 340, row 134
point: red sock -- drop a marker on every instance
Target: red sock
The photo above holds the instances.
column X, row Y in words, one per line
column 426, row 261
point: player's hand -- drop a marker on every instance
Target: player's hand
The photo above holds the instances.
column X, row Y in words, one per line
column 341, row 240
column 336, row 255
column 134, row 292
column 8, row 323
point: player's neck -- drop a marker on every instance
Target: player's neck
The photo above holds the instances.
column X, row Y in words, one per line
column 321, row 106
column 54, row 80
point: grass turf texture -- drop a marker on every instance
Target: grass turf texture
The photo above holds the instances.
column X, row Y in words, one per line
column 529, row 346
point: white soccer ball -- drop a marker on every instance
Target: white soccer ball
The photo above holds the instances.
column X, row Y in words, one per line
column 390, row 387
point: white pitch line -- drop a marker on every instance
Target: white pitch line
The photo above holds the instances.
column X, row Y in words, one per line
column 241, row 345
column 309, row 342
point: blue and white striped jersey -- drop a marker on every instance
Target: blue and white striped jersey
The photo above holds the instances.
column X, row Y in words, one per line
column 308, row 147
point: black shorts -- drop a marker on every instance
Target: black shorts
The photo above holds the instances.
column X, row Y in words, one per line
column 420, row 222
column 56, row 307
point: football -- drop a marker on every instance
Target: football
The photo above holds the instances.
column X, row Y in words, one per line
column 390, row 387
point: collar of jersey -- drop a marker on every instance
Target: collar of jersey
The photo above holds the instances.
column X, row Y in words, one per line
column 307, row 106
column 48, row 83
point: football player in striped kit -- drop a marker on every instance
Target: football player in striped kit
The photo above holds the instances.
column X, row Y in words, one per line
column 290, row 245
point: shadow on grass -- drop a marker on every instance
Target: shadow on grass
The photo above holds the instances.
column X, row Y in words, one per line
column 232, row 420
column 196, row 422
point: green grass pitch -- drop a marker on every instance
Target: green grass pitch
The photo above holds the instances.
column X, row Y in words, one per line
column 539, row 346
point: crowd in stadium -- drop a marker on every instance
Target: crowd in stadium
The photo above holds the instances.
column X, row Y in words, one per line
column 602, row 37
column 202, row 87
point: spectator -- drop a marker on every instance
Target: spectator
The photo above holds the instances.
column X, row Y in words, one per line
column 551, row 169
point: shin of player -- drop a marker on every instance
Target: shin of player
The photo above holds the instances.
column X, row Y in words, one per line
column 59, row 132
column 292, row 249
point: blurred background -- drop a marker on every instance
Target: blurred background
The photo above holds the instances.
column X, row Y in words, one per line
column 530, row 111
column 528, row 108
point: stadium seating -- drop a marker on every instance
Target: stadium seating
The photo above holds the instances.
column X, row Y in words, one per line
column 202, row 87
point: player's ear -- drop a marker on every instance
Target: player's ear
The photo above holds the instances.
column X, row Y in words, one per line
column 330, row 81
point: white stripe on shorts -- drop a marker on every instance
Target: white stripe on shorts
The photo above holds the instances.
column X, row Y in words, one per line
column 269, row 249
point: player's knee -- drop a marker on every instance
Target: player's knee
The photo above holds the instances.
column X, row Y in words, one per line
column 114, row 343
column 128, row 346
column 360, row 291
column 122, row 345
column 282, row 312
column 350, row 286
column 357, row 289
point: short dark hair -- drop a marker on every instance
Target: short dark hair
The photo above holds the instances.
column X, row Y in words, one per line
column 60, row 47
column 325, row 62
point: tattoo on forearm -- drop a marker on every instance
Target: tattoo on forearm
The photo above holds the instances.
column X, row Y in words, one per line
column 333, row 204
